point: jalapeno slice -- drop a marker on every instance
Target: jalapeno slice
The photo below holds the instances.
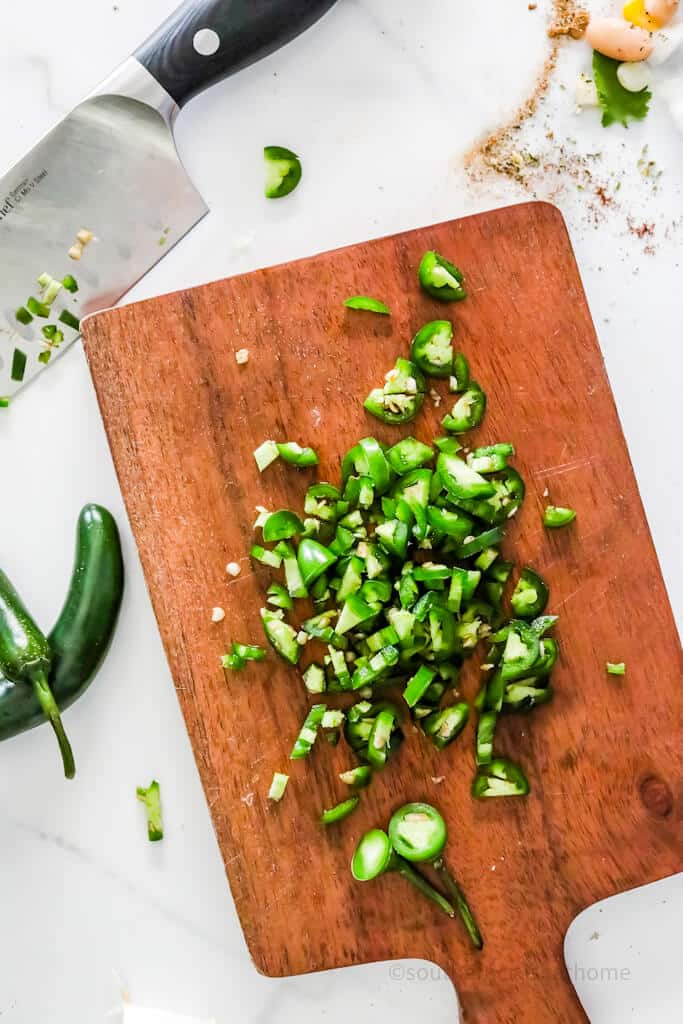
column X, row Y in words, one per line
column 418, row 832
column 432, row 348
column 468, row 411
column 530, row 596
column 440, row 278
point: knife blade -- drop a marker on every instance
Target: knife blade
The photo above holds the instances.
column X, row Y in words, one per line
column 111, row 168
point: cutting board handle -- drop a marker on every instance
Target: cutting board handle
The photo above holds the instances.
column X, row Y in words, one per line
column 206, row 40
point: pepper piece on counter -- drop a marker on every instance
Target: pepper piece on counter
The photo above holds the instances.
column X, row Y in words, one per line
column 151, row 798
column 283, row 171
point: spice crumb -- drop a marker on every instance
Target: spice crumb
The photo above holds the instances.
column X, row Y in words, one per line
column 242, row 356
column 233, row 568
column 217, row 615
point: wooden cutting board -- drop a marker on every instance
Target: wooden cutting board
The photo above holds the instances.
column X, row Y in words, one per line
column 605, row 760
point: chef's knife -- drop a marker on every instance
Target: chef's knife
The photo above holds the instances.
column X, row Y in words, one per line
column 111, row 168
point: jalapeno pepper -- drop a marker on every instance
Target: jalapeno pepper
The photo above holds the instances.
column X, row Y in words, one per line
column 295, row 455
column 468, row 411
column 555, row 517
column 80, row 638
column 460, row 480
column 281, row 635
column 283, row 171
column 357, row 777
column 308, row 733
column 374, row 856
column 314, row 559
column 150, row 796
column 25, row 659
column 370, row 305
column 460, row 377
column 441, row 279
column 385, row 735
column 525, row 695
column 418, row 834
column 281, row 526
column 432, row 348
column 401, row 397
column 520, row 652
column 491, row 458
column 445, row 725
column 485, row 733
column 408, row 455
column 500, row 777
column 530, row 596
column 341, row 811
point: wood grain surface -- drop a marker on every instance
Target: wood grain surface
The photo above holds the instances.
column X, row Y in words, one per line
column 605, row 760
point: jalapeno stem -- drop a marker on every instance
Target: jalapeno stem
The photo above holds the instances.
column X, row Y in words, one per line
column 458, row 897
column 50, row 708
column 403, row 868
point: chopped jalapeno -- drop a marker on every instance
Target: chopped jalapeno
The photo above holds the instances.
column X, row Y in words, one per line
column 500, row 777
column 432, row 348
column 440, row 278
column 265, row 454
column 402, row 395
column 281, row 635
column 364, row 302
column 282, row 525
column 295, row 455
column 341, row 811
column 554, row 516
column 468, row 411
column 24, row 316
column 278, row 786
column 18, row 365
column 309, row 732
column 530, row 596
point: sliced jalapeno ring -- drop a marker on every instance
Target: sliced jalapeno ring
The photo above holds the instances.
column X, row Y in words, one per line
column 432, row 348
column 468, row 411
column 530, row 596
column 440, row 278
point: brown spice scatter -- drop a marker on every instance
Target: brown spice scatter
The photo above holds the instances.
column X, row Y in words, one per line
column 570, row 20
column 532, row 7
column 643, row 230
column 605, row 199
column 499, row 152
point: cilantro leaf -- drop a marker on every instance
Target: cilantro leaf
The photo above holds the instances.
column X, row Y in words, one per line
column 618, row 104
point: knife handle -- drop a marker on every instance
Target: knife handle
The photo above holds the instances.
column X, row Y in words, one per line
column 207, row 40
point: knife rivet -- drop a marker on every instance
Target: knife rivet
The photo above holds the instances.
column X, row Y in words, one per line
column 206, row 42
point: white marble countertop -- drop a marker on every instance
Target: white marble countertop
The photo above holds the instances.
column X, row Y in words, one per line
column 381, row 99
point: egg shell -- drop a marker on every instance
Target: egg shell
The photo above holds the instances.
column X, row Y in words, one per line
column 616, row 38
column 661, row 10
